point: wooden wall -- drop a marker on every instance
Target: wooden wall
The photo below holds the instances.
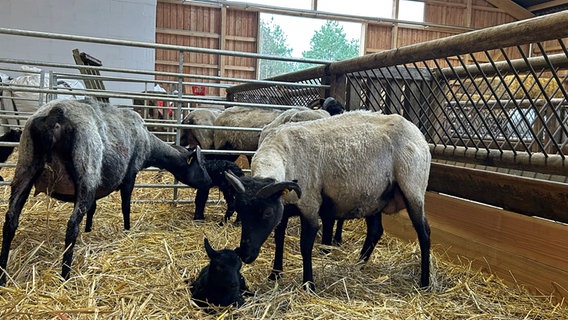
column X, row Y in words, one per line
column 450, row 17
column 525, row 251
column 206, row 27
column 236, row 28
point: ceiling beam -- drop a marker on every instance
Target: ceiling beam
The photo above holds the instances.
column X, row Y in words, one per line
column 548, row 4
column 511, row 8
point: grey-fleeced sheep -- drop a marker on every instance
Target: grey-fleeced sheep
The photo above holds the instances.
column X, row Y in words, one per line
column 355, row 165
column 199, row 137
column 248, row 117
column 220, row 282
column 80, row 151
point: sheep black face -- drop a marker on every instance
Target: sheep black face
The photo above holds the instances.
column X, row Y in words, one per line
column 259, row 205
column 219, row 283
column 332, row 106
column 194, row 175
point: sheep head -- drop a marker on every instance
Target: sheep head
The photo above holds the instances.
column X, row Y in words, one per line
column 194, row 173
column 258, row 203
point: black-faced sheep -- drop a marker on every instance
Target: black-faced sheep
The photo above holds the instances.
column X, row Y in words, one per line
column 199, row 137
column 5, row 151
column 220, row 282
column 357, row 164
column 216, row 170
column 80, row 151
column 329, row 104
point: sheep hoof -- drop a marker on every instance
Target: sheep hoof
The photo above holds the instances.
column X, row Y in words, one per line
column 275, row 275
column 199, row 217
column 309, row 287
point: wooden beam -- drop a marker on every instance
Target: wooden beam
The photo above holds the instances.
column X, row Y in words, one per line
column 518, row 249
column 511, row 8
column 528, row 196
column 547, row 4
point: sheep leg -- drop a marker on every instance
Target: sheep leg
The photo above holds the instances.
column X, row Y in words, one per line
column 420, row 223
column 229, row 196
column 83, row 203
column 374, row 233
column 337, row 239
column 279, row 235
column 90, row 214
column 307, row 239
column 21, row 187
column 327, row 223
column 200, row 200
column 126, row 196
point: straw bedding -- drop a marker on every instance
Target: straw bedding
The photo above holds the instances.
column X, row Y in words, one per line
column 143, row 273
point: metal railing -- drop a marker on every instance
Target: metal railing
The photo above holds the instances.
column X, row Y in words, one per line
column 499, row 94
column 168, row 125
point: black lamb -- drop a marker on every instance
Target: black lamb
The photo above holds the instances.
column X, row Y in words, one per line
column 220, row 283
column 216, row 169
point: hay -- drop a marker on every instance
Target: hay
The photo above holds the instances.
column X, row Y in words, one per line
column 142, row 274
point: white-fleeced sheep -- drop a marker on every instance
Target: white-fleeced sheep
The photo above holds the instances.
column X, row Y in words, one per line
column 357, row 164
column 291, row 116
column 80, row 151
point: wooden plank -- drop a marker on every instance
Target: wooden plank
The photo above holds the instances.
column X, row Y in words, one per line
column 533, row 197
column 187, row 33
column 510, row 7
column 521, row 250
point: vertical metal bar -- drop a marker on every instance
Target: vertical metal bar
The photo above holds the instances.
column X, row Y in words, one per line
column 179, row 105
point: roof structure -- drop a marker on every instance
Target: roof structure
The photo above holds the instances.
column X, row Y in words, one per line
column 523, row 9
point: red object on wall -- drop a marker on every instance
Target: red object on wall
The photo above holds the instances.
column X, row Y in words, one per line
column 198, row 90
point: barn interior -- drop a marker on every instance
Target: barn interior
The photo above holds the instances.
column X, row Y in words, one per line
column 484, row 80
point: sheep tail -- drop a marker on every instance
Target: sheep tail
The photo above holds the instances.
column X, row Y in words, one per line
column 48, row 131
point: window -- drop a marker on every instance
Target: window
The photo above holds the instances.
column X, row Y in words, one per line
column 410, row 10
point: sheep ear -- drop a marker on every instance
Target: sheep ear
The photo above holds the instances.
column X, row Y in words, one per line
column 279, row 187
column 234, row 181
column 211, row 253
column 195, row 153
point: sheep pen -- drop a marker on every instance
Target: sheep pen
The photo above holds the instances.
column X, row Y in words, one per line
column 142, row 274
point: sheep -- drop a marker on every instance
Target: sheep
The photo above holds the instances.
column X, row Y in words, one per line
column 80, row 151
column 220, row 282
column 199, row 137
column 357, row 164
column 251, row 117
column 5, row 151
column 216, row 170
column 329, row 104
column 248, row 117
column 291, row 116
